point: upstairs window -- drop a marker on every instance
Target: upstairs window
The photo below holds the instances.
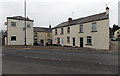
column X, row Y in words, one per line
column 13, row 24
column 55, row 31
column 35, row 34
column 28, row 25
column 48, row 34
column 94, row 27
column 68, row 29
column 81, row 28
column 61, row 31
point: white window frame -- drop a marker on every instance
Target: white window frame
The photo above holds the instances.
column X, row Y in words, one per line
column 15, row 38
column 13, row 24
column 94, row 27
column 89, row 38
column 81, row 28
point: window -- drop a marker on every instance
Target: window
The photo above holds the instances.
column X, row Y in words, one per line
column 13, row 24
column 28, row 25
column 35, row 40
column 58, row 40
column 61, row 31
column 35, row 34
column 81, row 28
column 55, row 31
column 89, row 40
column 94, row 28
column 68, row 29
column 48, row 34
column 68, row 39
column 13, row 38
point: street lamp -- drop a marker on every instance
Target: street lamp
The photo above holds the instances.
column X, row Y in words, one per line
column 25, row 20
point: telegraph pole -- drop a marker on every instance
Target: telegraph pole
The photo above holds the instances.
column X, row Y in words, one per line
column 25, row 19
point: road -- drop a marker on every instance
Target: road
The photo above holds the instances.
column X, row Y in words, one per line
column 57, row 61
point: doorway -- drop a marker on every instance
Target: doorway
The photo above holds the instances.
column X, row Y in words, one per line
column 81, row 41
column 73, row 41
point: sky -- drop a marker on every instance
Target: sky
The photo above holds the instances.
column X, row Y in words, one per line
column 46, row 12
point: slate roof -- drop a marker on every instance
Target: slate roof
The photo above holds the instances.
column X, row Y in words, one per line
column 20, row 18
column 82, row 20
column 42, row 29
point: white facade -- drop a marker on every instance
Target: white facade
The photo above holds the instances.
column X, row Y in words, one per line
column 16, row 34
column 97, row 39
column 43, row 37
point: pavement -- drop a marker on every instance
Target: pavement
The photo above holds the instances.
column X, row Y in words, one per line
column 57, row 60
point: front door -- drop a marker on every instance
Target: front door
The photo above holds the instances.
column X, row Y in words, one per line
column 81, row 41
column 73, row 41
column 42, row 42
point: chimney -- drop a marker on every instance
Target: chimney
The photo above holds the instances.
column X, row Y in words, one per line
column 49, row 26
column 107, row 10
column 69, row 19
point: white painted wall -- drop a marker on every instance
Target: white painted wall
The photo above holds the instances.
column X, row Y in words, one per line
column 43, row 36
column 100, row 39
column 19, row 32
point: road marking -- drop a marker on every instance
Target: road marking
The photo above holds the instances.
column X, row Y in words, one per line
column 49, row 58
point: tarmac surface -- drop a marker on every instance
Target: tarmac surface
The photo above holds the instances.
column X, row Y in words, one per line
column 58, row 60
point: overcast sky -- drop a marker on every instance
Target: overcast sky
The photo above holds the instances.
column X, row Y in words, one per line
column 45, row 12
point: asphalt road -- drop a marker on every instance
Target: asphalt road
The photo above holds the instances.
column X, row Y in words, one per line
column 57, row 61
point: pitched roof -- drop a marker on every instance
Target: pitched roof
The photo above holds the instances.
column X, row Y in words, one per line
column 42, row 29
column 82, row 20
column 20, row 18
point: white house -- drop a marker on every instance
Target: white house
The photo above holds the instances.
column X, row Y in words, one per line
column 91, row 32
column 16, row 33
column 42, row 36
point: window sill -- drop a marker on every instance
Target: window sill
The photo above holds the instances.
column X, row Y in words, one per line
column 93, row 31
column 81, row 32
column 13, row 40
column 89, row 44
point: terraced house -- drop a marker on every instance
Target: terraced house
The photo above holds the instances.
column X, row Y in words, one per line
column 42, row 36
column 91, row 32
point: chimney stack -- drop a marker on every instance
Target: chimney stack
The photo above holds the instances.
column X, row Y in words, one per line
column 107, row 10
column 69, row 19
column 49, row 26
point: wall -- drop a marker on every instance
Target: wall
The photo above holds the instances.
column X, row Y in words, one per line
column 43, row 36
column 19, row 32
column 100, row 39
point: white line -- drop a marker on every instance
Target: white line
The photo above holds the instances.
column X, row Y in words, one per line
column 49, row 58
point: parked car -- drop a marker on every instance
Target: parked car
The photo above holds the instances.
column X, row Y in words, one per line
column 113, row 39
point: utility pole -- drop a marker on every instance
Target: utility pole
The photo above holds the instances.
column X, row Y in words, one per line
column 25, row 19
